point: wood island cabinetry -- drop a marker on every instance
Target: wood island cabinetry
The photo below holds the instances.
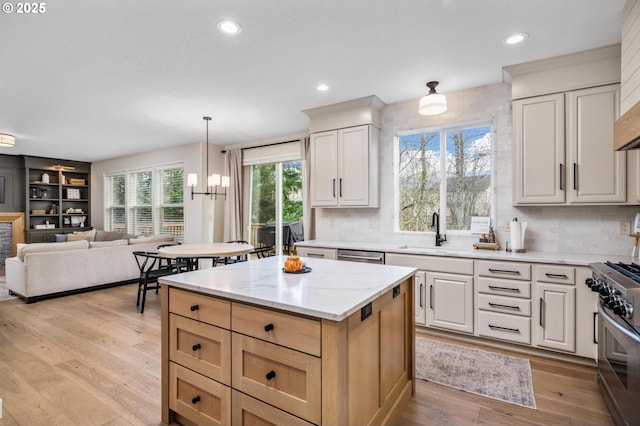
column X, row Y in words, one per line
column 227, row 362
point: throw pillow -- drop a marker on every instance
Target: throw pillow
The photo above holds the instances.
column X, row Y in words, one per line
column 161, row 238
column 78, row 237
column 111, row 236
column 61, row 238
column 90, row 234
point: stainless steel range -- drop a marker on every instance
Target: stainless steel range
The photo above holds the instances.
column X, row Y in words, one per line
column 619, row 338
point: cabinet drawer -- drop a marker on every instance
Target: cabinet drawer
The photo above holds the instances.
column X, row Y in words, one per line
column 507, row 305
column 318, row 253
column 283, row 329
column 247, row 411
column 201, row 347
column 282, row 377
column 512, row 270
column 197, row 398
column 199, row 307
column 506, row 327
column 500, row 287
column 555, row 274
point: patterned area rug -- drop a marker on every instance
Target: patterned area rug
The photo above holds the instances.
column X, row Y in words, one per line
column 4, row 291
column 489, row 374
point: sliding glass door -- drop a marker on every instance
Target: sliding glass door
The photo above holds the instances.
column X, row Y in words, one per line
column 276, row 205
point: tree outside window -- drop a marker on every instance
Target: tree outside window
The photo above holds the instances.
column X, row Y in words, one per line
column 445, row 170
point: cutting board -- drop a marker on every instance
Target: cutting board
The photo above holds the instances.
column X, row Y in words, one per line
column 486, row 246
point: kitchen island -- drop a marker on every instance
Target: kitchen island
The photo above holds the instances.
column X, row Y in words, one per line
column 249, row 344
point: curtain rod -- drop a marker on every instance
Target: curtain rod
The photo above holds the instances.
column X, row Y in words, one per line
column 262, row 146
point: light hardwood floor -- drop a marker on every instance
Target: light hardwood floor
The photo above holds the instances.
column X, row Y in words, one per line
column 92, row 359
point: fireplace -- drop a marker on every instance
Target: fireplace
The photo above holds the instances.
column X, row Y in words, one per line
column 16, row 220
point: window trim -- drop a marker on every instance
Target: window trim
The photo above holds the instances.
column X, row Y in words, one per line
column 491, row 123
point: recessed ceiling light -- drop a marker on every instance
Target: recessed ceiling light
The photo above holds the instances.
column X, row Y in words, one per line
column 323, row 87
column 515, row 38
column 227, row 26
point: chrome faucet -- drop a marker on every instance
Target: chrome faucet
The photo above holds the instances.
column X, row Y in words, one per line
column 435, row 221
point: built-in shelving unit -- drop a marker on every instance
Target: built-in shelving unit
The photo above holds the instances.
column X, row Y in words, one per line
column 57, row 198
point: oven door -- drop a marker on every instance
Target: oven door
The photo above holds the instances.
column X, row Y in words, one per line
column 619, row 367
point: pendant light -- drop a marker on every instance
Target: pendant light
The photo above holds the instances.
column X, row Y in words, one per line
column 432, row 103
column 213, row 181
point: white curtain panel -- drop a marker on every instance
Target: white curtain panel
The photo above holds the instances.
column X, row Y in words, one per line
column 233, row 208
column 308, row 214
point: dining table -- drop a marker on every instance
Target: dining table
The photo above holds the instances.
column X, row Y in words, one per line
column 192, row 252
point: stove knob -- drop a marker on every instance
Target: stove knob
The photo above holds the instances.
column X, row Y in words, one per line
column 620, row 309
column 611, row 303
column 589, row 282
column 605, row 290
column 597, row 284
column 628, row 311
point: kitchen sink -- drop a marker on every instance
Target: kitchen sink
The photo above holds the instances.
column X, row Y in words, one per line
column 435, row 250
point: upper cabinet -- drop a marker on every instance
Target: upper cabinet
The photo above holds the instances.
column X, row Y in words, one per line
column 344, row 154
column 562, row 149
column 342, row 171
column 564, row 110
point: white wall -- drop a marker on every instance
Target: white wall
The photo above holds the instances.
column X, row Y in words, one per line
column 562, row 229
column 203, row 218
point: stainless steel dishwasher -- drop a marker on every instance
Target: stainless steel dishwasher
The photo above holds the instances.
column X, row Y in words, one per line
column 361, row 256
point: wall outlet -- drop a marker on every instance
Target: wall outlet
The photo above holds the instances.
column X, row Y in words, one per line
column 625, row 228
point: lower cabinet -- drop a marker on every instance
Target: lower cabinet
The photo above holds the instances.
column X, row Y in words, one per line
column 318, row 253
column 450, row 301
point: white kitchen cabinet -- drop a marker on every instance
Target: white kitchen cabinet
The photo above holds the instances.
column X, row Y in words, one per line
column 316, row 252
column 539, row 150
column 344, row 167
column 556, row 316
column 450, row 301
column 420, row 296
column 562, row 149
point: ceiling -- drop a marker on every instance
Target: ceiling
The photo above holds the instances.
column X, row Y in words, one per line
column 93, row 80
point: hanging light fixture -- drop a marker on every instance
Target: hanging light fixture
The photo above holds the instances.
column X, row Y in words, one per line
column 7, row 140
column 213, row 181
column 432, row 103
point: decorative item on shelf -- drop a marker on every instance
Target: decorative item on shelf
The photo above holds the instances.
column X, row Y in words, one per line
column 64, row 179
column 44, row 192
column 75, row 221
column 45, row 178
column 432, row 103
column 44, row 226
column 73, row 193
column 38, row 211
column 213, row 181
column 66, row 221
column 75, row 181
column 34, row 192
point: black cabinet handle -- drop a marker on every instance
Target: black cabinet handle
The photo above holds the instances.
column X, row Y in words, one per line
column 496, row 288
column 561, row 177
column 497, row 327
column 195, row 399
column 196, row 347
column 498, row 305
column 595, row 328
column 575, row 176
column 557, row 276
column 340, row 187
column 334, row 188
column 431, row 297
column 503, row 271
column 268, row 327
column 421, row 285
column 271, row 374
column 194, row 308
column 541, row 312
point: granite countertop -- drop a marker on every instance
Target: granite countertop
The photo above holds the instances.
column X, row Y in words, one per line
column 447, row 251
column 333, row 290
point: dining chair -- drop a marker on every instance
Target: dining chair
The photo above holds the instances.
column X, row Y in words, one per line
column 232, row 259
column 151, row 266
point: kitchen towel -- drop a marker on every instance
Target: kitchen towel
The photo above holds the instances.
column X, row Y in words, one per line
column 517, row 230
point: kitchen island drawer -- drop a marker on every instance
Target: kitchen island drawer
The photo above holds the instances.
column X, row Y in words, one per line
column 199, row 307
column 279, row 376
column 247, row 411
column 555, row 274
column 201, row 347
column 511, row 270
column 507, row 305
column 293, row 331
column 198, row 399
column 503, row 326
column 511, row 288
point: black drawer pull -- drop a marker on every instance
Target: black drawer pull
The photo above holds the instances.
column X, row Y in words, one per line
column 196, row 347
column 194, row 308
column 195, row 400
column 503, row 271
column 557, row 276
column 511, row 330
column 496, row 288
column 271, row 374
column 498, row 305
column 268, row 327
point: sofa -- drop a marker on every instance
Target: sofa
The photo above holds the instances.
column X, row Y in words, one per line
column 86, row 261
